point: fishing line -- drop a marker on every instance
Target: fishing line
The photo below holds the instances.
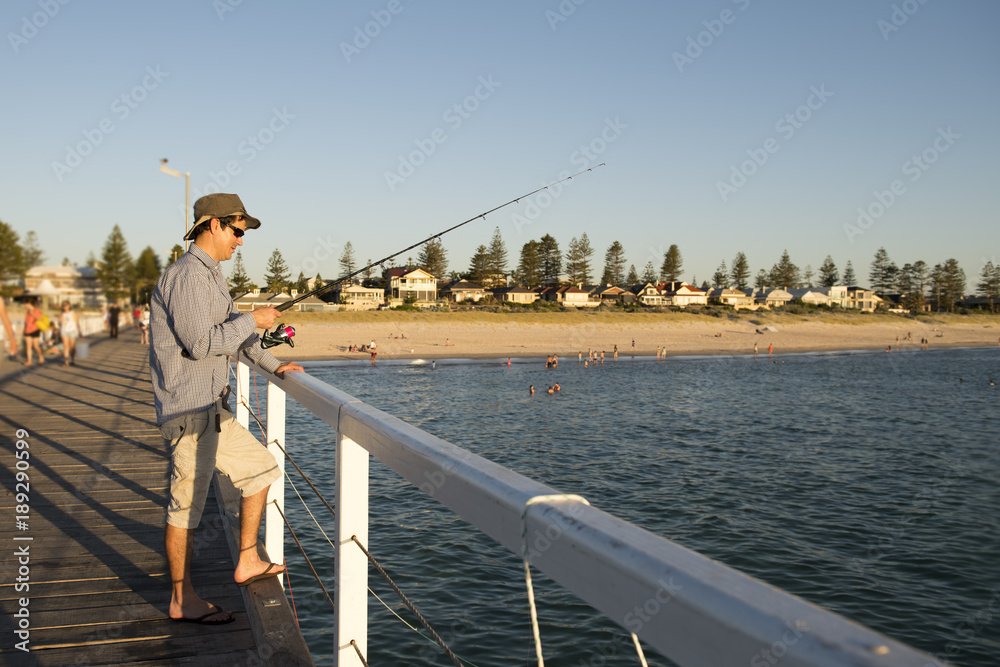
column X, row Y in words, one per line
column 284, row 334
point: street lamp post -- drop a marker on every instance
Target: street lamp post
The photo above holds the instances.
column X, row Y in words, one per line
column 187, row 195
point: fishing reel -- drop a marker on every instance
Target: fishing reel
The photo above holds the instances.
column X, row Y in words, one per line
column 283, row 333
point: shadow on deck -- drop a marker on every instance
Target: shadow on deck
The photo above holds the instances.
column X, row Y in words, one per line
column 97, row 584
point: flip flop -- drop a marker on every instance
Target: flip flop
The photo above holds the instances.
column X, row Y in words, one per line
column 201, row 619
column 266, row 574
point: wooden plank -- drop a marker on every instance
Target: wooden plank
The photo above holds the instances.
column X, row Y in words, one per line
column 99, row 475
column 278, row 637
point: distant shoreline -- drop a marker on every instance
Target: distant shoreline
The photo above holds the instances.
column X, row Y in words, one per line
column 438, row 336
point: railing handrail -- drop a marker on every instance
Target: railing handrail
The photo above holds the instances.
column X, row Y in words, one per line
column 692, row 609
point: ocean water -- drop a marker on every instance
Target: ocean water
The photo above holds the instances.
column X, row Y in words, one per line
column 868, row 483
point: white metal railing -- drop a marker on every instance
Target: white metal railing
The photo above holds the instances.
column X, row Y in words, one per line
column 694, row 610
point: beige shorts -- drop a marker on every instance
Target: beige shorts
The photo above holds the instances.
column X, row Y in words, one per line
column 200, row 450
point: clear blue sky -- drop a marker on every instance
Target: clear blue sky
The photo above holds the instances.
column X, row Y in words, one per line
column 672, row 96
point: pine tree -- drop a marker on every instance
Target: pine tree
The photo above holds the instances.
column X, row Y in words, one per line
column 761, row 280
column 633, row 276
column 175, row 253
column 12, row 260
column 614, row 264
column 33, row 255
column 147, row 272
column 578, row 258
column 348, row 262
column 807, row 276
column 114, row 269
column 239, row 281
column 989, row 284
column 277, row 276
column 480, row 265
column 785, row 274
column 740, row 272
column 883, row 272
column 302, row 283
column 552, row 264
column 529, row 269
column 911, row 282
column 497, row 254
column 673, row 264
column 850, row 280
column 948, row 284
column 648, row 275
column 828, row 274
column 721, row 276
column 433, row 258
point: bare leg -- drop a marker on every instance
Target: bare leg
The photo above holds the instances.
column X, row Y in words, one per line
column 184, row 602
column 251, row 512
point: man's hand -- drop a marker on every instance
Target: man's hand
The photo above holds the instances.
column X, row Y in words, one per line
column 287, row 366
column 265, row 316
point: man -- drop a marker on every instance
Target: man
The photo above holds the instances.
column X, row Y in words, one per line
column 114, row 314
column 195, row 328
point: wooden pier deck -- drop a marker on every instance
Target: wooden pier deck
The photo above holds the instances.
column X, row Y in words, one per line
column 97, row 578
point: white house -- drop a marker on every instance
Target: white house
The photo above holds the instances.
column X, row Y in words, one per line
column 358, row 297
column 681, row 294
column 414, row 285
column 462, row 290
column 731, row 297
column 648, row 295
column 811, row 296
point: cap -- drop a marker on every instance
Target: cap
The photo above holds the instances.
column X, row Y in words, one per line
column 219, row 205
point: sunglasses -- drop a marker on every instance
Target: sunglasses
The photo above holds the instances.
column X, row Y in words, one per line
column 237, row 232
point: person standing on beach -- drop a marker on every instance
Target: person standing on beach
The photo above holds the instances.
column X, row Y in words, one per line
column 371, row 347
column 195, row 328
column 770, row 349
column 755, row 349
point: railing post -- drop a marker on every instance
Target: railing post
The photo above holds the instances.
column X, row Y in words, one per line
column 242, row 392
column 350, row 563
column 274, row 526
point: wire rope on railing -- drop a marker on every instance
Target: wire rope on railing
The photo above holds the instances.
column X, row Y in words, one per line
column 435, row 638
column 303, row 551
column 373, row 593
column 357, row 650
column 409, row 605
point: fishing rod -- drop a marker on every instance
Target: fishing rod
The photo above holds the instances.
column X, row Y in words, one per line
column 283, row 333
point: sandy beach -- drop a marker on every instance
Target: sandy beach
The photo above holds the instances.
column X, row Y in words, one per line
column 487, row 335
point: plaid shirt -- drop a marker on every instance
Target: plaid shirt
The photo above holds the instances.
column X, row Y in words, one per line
column 192, row 310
